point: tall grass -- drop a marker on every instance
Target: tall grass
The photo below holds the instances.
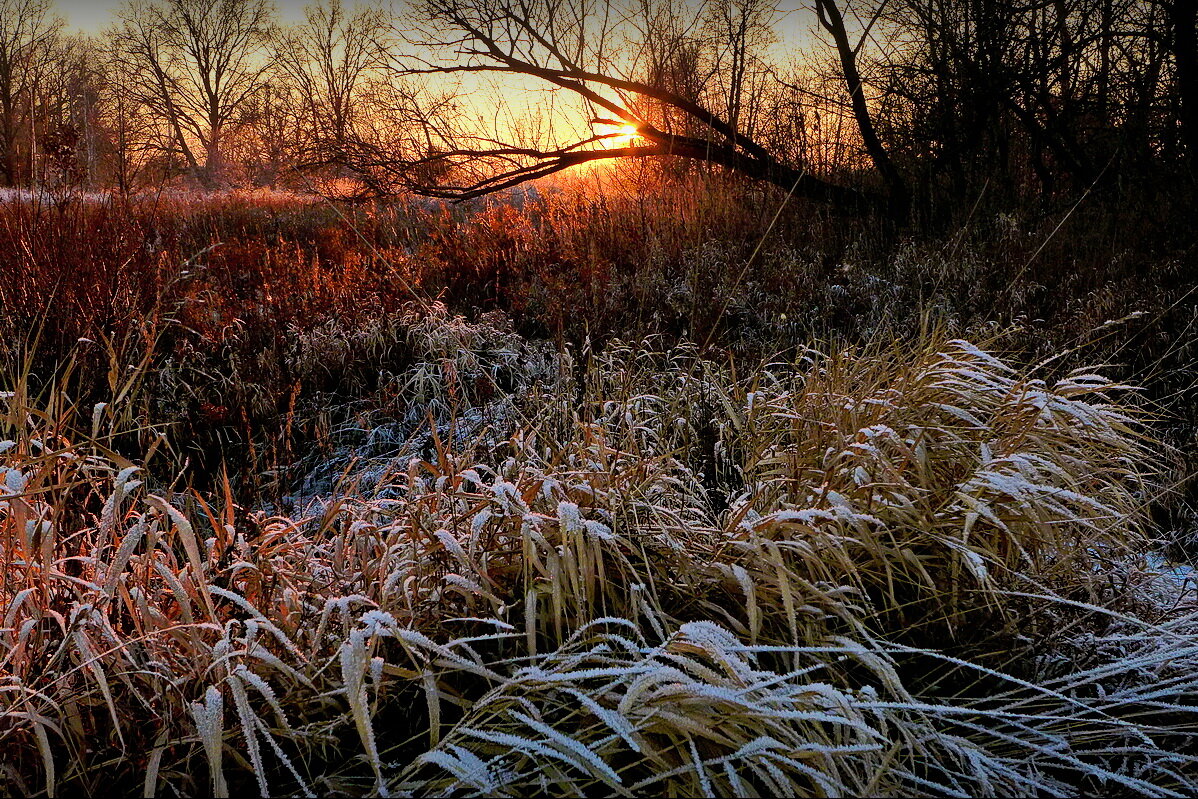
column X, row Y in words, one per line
column 656, row 571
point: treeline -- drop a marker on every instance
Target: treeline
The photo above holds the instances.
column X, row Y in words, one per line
column 929, row 103
column 215, row 92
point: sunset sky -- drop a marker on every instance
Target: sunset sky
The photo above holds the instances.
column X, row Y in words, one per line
column 93, row 15
column 526, row 114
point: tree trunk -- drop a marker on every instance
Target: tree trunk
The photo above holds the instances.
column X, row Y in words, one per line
column 8, row 144
column 830, row 18
column 1183, row 20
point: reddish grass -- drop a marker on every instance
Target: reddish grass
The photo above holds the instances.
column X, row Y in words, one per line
column 224, row 287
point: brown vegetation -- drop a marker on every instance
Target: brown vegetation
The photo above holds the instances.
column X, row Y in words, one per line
column 378, row 497
column 827, row 433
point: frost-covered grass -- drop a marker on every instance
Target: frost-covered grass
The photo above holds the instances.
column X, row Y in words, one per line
column 898, row 568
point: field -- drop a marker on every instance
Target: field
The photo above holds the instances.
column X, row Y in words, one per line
column 630, row 484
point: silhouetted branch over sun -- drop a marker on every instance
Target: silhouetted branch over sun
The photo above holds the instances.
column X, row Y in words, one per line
column 608, row 59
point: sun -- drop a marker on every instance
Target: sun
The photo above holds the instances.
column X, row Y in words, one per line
column 620, row 134
column 625, row 134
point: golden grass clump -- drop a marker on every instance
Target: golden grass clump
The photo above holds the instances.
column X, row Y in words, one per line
column 933, row 480
column 656, row 573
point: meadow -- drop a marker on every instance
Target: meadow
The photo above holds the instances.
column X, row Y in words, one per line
column 636, row 484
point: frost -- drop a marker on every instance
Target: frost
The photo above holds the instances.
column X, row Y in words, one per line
column 977, row 565
column 14, row 481
column 569, row 516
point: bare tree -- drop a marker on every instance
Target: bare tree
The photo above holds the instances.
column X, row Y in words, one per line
column 740, row 30
column 27, row 32
column 1047, row 97
column 327, row 60
column 128, row 134
column 713, row 59
column 675, row 56
column 67, row 109
column 833, row 22
column 929, row 103
column 593, row 52
column 197, row 63
column 276, row 135
column 1182, row 22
